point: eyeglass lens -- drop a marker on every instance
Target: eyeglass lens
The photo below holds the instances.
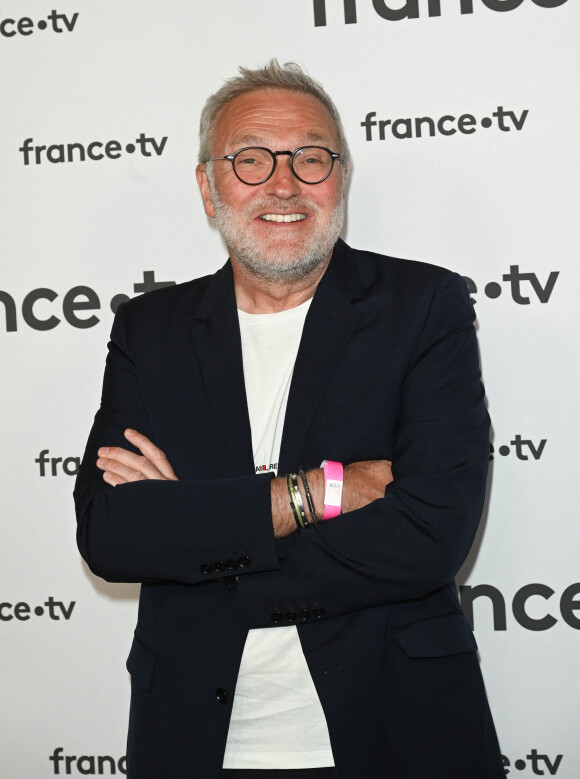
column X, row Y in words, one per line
column 311, row 164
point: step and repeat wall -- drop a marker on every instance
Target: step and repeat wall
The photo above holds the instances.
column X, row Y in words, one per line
column 462, row 116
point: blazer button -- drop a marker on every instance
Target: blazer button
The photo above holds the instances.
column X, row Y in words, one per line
column 244, row 561
column 276, row 617
column 221, row 695
column 304, row 615
column 231, row 581
column 290, row 616
column 219, row 566
column 206, row 568
column 231, row 563
column 318, row 612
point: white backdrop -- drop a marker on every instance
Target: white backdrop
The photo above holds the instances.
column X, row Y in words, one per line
column 491, row 195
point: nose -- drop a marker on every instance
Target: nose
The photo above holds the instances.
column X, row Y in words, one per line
column 283, row 183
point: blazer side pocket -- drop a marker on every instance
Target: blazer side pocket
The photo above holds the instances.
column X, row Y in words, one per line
column 448, row 634
column 141, row 664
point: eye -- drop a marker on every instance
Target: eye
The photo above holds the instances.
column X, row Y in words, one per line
column 313, row 159
column 246, row 161
column 252, row 158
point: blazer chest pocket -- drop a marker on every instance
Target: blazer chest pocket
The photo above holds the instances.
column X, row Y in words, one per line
column 449, row 634
column 141, row 664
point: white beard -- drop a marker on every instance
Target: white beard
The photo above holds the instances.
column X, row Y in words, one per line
column 280, row 263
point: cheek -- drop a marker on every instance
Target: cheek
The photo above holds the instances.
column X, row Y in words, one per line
column 240, row 200
column 330, row 196
column 231, row 190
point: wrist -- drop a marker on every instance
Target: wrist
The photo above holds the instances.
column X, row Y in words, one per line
column 333, row 481
column 282, row 517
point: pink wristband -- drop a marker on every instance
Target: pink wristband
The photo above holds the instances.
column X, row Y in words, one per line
column 333, row 478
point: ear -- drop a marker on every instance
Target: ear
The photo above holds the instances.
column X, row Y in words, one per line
column 202, row 180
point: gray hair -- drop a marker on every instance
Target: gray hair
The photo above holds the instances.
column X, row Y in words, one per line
column 289, row 76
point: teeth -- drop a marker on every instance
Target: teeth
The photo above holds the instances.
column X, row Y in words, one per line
column 283, row 217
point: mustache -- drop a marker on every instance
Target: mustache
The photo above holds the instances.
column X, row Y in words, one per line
column 282, row 206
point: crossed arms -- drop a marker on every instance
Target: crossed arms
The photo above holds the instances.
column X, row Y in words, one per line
column 363, row 481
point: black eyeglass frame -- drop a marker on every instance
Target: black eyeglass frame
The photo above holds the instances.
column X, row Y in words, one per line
column 232, row 158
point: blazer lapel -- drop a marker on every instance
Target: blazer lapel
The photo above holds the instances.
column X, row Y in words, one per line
column 330, row 321
column 217, row 346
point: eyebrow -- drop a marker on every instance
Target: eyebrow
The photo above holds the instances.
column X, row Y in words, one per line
column 247, row 140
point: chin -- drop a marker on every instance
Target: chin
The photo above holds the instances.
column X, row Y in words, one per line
column 282, row 267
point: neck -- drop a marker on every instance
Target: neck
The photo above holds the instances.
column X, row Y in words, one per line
column 256, row 295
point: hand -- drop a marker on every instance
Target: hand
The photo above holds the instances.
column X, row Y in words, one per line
column 364, row 482
column 121, row 466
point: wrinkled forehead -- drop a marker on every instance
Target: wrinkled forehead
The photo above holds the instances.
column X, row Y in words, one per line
column 249, row 139
column 275, row 118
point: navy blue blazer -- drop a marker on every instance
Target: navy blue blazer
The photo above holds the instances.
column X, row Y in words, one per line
column 387, row 368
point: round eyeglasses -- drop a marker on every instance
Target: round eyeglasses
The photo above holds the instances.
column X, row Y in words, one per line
column 254, row 165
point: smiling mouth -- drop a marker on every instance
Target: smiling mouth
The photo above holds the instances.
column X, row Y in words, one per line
column 283, row 217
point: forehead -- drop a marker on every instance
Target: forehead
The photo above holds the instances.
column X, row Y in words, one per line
column 276, row 118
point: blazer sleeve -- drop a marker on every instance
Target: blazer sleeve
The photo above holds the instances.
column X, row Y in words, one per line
column 188, row 531
column 413, row 540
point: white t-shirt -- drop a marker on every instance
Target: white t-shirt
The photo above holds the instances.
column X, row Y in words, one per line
column 277, row 719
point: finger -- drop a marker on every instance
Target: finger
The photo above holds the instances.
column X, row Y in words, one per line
column 117, row 469
column 132, row 461
column 113, row 479
column 153, row 453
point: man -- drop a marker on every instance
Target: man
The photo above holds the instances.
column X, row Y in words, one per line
column 273, row 640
